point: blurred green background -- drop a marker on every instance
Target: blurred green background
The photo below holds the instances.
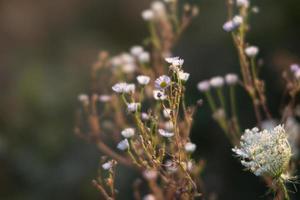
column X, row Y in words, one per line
column 46, row 50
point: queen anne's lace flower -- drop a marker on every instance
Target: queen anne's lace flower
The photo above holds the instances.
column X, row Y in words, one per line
column 265, row 152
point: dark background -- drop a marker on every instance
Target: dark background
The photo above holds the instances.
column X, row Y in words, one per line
column 46, row 49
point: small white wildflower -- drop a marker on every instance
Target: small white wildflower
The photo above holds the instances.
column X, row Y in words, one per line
column 145, row 116
column 165, row 133
column 128, row 132
column 217, row 81
column 265, row 152
column 297, row 74
column 148, row 15
column 162, row 82
column 143, row 80
column 116, row 61
column 104, row 98
column 237, row 20
column 136, row 50
column 83, row 98
column 203, row 86
column 294, row 67
column 175, row 61
column 242, row 3
column 251, row 51
column 130, row 88
column 133, row 107
column 183, row 75
column 150, row 174
column 159, row 95
column 229, row 26
column 127, row 58
column 144, row 57
column 123, row 145
column 169, row 126
column 108, row 165
column 190, row 147
column 255, row 9
column 158, row 8
column 167, row 113
column 119, row 87
column 231, row 79
column 149, row 197
column 128, row 68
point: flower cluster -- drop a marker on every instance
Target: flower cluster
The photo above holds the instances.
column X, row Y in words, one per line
column 266, row 152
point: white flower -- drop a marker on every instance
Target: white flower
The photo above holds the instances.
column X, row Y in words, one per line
column 169, row 126
column 136, row 50
column 149, row 197
column 237, row 20
column 126, row 58
column 128, row 68
column 148, row 15
column 251, row 51
column 171, row 166
column 159, row 95
column 116, row 61
column 119, row 87
column 162, row 82
column 165, row 133
column 242, row 3
column 175, row 61
column 265, row 152
column 294, row 67
column 183, row 75
column 104, row 98
column 217, row 81
column 190, row 147
column 123, row 145
column 158, row 8
column 133, row 107
column 108, row 165
column 143, row 80
column 83, row 98
column 128, row 132
column 167, row 113
column 130, row 88
column 203, row 86
column 297, row 74
column 144, row 57
column 231, row 79
column 145, row 116
column 233, row 24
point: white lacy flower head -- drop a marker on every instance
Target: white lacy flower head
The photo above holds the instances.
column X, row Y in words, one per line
column 123, row 88
column 148, row 15
column 203, row 86
column 251, row 51
column 231, row 79
column 162, row 82
column 104, row 98
column 216, row 82
column 108, row 165
column 165, row 133
column 144, row 57
column 159, row 95
column 265, row 152
column 123, row 145
column 242, row 3
column 190, row 147
column 133, row 107
column 128, row 132
column 143, row 80
column 183, row 76
column 175, row 61
column 136, row 50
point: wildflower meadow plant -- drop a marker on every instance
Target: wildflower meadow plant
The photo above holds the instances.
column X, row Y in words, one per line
column 139, row 118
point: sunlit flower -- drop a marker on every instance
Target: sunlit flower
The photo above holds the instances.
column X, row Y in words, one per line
column 133, row 107
column 143, row 80
column 175, row 61
column 123, row 88
column 233, row 24
column 203, row 86
column 183, row 75
column 265, row 152
column 145, row 116
column 216, row 81
column 104, row 98
column 158, row 9
column 148, row 15
column 242, row 3
column 294, row 67
column 165, row 133
column 136, row 50
column 251, row 51
column 159, row 95
column 108, row 165
column 144, row 57
column 123, row 145
column 128, row 132
column 83, row 98
column 162, row 82
column 167, row 113
column 169, row 126
column 231, row 79
column 190, row 147
column 128, row 68
column 237, row 20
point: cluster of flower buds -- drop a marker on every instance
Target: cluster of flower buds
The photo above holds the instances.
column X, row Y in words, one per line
column 217, row 82
column 233, row 24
